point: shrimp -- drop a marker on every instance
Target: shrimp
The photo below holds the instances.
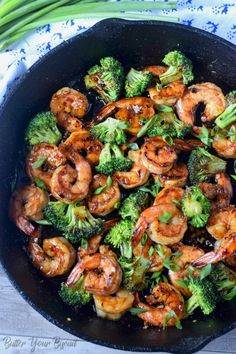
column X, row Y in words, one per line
column 51, row 158
column 188, row 254
column 207, row 93
column 105, row 202
column 165, row 233
column 113, row 306
column 169, row 195
column 85, row 144
column 103, row 274
column 156, row 70
column 132, row 110
column 163, row 299
column 156, row 260
column 27, row 204
column 70, row 184
column 68, row 105
column 157, row 156
column 167, row 95
column 137, row 176
column 221, row 193
column 226, row 249
column 55, row 257
column 176, row 177
column 222, row 222
column 223, row 143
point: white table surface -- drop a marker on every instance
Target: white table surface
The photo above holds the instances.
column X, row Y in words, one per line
column 23, row 331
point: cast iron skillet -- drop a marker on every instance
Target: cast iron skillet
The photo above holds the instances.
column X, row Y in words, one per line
column 134, row 44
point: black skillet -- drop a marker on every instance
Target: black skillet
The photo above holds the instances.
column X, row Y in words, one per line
column 134, row 43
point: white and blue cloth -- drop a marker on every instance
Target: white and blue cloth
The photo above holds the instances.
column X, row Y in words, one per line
column 215, row 16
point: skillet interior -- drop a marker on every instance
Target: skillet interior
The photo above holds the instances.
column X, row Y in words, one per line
column 134, row 44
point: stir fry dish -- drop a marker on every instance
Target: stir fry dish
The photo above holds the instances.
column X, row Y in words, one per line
column 130, row 203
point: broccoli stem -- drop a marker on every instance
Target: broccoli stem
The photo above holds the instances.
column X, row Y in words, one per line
column 227, row 117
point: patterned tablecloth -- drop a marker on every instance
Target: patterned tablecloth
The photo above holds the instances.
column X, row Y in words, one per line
column 215, row 16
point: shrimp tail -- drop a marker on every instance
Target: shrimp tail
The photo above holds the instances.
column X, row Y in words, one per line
column 210, row 257
column 75, row 274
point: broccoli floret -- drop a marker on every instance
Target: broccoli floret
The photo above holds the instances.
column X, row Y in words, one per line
column 74, row 220
column 134, row 271
column 180, row 67
column 120, row 235
column 43, row 129
column 106, row 79
column 167, row 124
column 204, row 296
column 75, row 295
column 137, row 82
column 202, row 165
column 231, row 98
column 225, row 280
column 133, row 205
column 196, row 206
column 112, row 159
column 227, row 117
column 110, row 131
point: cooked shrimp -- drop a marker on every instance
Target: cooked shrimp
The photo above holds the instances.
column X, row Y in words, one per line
column 221, row 193
column 165, row 233
column 105, row 202
column 68, row 105
column 55, row 257
column 156, row 261
column 222, row 222
column 132, row 110
column 51, row 159
column 169, row 94
column 157, row 156
column 70, row 184
column 27, row 204
column 103, row 274
column 166, row 298
column 223, row 143
column 169, row 195
column 188, row 254
column 176, row 177
column 83, row 142
column 156, row 70
column 226, row 249
column 137, row 176
column 207, row 93
column 113, row 306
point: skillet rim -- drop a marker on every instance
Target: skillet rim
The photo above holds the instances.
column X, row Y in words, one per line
column 99, row 25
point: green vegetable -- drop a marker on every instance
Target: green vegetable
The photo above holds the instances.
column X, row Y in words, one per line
column 39, row 162
column 196, row 206
column 43, row 129
column 110, row 131
column 137, row 82
column 170, row 315
column 39, row 183
column 225, row 280
column 120, row 235
column 134, row 271
column 165, row 217
column 202, row 165
column 112, row 159
column 103, row 188
column 75, row 295
column 231, row 98
column 204, row 135
column 168, row 125
column 150, row 123
column 227, row 117
column 151, row 186
column 106, row 79
column 74, row 220
column 136, row 311
column 133, row 205
column 180, row 67
column 204, row 296
column 233, row 176
column 17, row 17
